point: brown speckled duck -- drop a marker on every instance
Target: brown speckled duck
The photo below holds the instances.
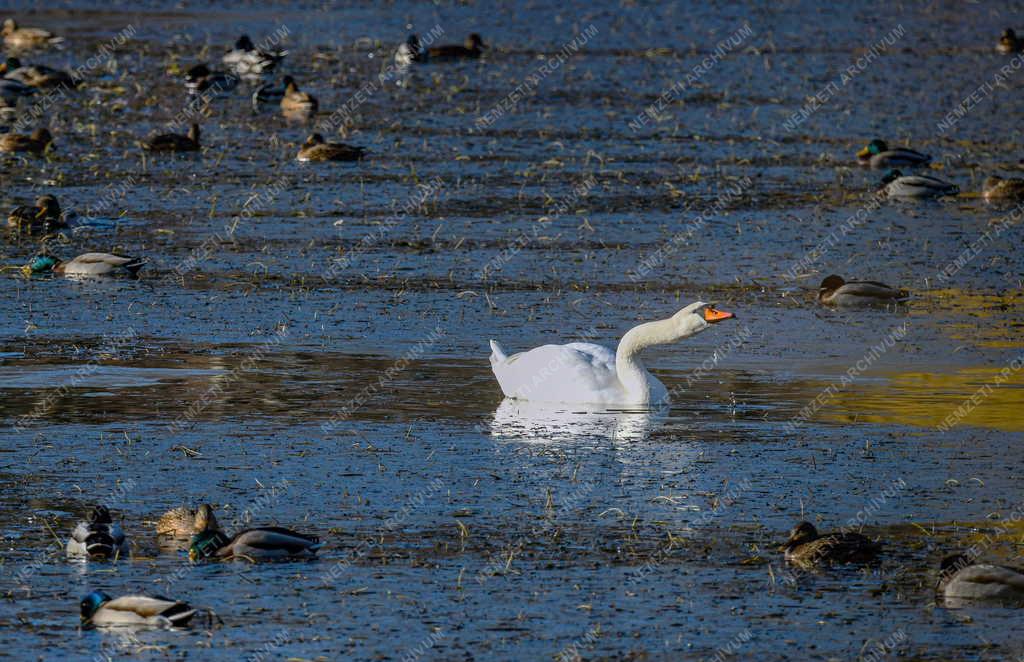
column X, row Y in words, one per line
column 37, row 143
column 997, row 188
column 183, row 521
column 16, row 37
column 316, row 149
column 173, row 142
column 806, row 547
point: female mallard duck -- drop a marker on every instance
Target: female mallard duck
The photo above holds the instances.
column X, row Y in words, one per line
column 201, row 79
column 316, row 149
column 806, row 547
column 960, row 579
column 1009, row 43
column 247, row 61
column 878, row 155
column 411, row 51
column 37, row 143
column 996, row 188
column 99, row 537
column 174, row 142
column 472, row 49
column 45, row 216
column 265, row 543
column 897, row 185
column 834, row 291
column 99, row 609
column 87, row 264
column 295, row 101
column 178, row 522
column 35, row 75
column 16, row 37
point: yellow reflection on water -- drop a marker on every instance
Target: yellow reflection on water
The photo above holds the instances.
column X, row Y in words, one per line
column 927, row 399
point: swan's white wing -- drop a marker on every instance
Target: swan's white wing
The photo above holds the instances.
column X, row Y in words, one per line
column 573, row 373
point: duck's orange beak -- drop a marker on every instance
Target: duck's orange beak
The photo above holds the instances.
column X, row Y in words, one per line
column 712, row 315
column 864, row 153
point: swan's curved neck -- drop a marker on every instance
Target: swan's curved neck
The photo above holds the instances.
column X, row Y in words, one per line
column 630, row 369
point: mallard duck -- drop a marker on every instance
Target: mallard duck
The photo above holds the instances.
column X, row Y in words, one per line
column 184, row 521
column 834, row 291
column 45, row 216
column 87, row 264
column 897, row 185
column 200, row 79
column 16, row 37
column 316, row 149
column 99, row 537
column 35, row 75
column 36, row 143
column 472, row 49
column 878, row 155
column 295, row 101
column 1009, row 43
column 99, row 609
column 266, row 94
column 265, row 543
column 411, row 51
column 247, row 60
column 174, row 142
column 806, row 547
column 11, row 90
column 996, row 188
column 960, row 579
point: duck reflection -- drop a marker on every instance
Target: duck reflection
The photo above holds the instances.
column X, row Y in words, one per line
column 544, row 423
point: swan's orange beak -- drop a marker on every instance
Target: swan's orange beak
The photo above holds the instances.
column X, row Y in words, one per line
column 711, row 315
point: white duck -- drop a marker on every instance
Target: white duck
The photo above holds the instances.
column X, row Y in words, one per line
column 585, row 373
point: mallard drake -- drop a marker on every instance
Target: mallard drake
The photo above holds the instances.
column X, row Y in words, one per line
column 897, row 185
column 200, row 79
column 316, row 149
column 1009, row 43
column 174, row 142
column 411, row 51
column 99, row 537
column 472, row 49
column 806, row 547
column 266, row 94
column 35, row 75
column 265, row 543
column 996, row 188
column 878, row 155
column 87, row 264
column 11, row 90
column 45, row 216
column 834, row 291
column 246, row 60
column 295, row 101
column 99, row 609
column 960, row 579
column 16, row 37
column 38, row 142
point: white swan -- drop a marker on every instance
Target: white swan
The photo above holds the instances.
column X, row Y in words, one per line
column 584, row 373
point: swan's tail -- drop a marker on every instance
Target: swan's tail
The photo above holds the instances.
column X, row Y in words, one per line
column 497, row 353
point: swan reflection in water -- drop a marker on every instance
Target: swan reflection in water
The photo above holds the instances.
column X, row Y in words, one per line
column 537, row 422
